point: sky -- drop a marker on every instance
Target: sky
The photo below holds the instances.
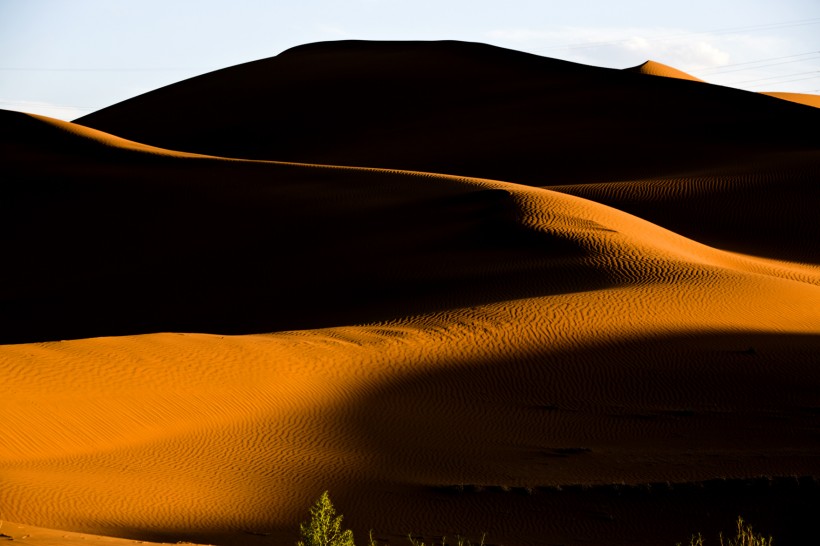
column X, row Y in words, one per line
column 67, row 58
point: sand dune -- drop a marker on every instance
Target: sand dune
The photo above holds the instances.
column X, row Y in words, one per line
column 619, row 361
column 187, row 243
column 653, row 68
column 762, row 206
column 800, row 98
column 40, row 536
column 459, row 108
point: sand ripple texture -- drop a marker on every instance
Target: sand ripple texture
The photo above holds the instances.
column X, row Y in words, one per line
column 195, row 347
column 602, row 348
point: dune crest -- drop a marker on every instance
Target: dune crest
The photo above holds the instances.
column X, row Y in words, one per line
column 372, row 104
column 32, row 133
column 653, row 68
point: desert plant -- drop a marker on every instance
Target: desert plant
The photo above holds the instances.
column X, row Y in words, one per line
column 695, row 540
column 460, row 541
column 324, row 527
column 745, row 536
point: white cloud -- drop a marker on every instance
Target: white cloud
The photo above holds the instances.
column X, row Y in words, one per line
column 622, row 47
column 749, row 55
column 686, row 55
column 66, row 113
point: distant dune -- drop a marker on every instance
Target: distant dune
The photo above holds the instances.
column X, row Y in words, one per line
column 653, row 68
column 462, row 288
column 658, row 69
column 459, row 108
column 800, row 98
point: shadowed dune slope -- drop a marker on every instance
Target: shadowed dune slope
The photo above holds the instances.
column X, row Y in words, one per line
column 506, row 402
column 108, row 238
column 117, row 238
column 764, row 206
column 445, row 354
column 458, row 108
column 694, row 364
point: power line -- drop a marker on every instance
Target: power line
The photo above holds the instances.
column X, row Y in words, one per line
column 718, row 71
column 777, row 77
column 793, row 80
column 729, row 30
column 45, row 105
column 759, row 61
column 769, row 26
column 23, row 69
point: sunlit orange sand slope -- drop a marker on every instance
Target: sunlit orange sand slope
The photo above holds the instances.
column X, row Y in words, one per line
column 30, row 535
column 653, row 68
column 444, row 354
column 800, row 98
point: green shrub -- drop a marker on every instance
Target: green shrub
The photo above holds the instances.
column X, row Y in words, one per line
column 324, row 527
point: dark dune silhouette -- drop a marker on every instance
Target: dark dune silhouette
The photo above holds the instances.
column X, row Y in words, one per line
column 112, row 238
column 601, row 325
column 459, row 108
column 645, row 143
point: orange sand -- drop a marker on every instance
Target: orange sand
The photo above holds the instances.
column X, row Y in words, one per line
column 653, row 68
column 658, row 69
column 564, row 364
column 800, row 98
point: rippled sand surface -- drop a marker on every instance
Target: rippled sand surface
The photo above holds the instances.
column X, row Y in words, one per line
column 195, row 346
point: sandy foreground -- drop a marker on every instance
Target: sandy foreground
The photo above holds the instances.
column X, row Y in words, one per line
column 15, row 533
column 195, row 347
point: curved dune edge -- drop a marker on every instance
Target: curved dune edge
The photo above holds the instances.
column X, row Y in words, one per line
column 106, row 139
column 266, row 422
column 653, row 68
column 248, row 447
column 542, row 210
column 800, row 98
column 760, row 207
column 539, row 117
column 653, row 358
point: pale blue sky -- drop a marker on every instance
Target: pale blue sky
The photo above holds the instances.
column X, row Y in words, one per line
column 65, row 58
